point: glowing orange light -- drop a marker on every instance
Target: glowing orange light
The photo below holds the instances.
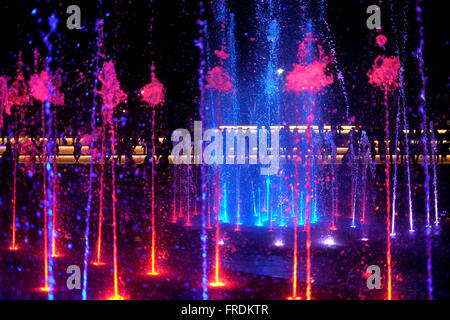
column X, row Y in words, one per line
column 116, row 297
column 217, row 284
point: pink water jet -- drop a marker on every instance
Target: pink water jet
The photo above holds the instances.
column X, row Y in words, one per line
column 310, row 78
column 112, row 95
column 385, row 76
column 40, row 85
column 218, row 79
column 153, row 93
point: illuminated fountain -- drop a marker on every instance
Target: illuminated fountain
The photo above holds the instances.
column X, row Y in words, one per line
column 153, row 94
column 267, row 79
column 112, row 95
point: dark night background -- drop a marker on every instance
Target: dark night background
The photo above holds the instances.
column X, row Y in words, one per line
column 170, row 44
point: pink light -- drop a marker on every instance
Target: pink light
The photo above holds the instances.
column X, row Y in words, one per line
column 217, row 78
column 111, row 93
column 385, row 73
column 221, row 54
column 381, row 40
column 40, row 86
column 153, row 92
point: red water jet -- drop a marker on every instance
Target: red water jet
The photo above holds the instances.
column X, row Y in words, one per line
column 385, row 76
column 310, row 78
column 218, row 79
column 153, row 93
column 112, row 95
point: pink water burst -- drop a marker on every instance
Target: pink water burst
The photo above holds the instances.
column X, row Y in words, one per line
column 381, row 40
column 58, row 96
column 221, row 54
column 153, row 93
column 217, row 78
column 43, row 87
column 385, row 73
column 3, row 94
column 111, row 93
column 18, row 94
column 309, row 77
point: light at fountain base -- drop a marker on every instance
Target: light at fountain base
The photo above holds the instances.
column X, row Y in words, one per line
column 216, row 284
column 116, row 297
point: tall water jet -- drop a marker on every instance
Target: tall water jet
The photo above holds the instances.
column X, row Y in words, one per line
column 3, row 100
column 424, row 128
column 400, row 51
column 423, row 113
column 42, row 88
column 365, row 147
column 394, row 188
column 199, row 43
column 384, row 75
column 100, row 40
column 99, row 30
column 19, row 96
column 310, row 78
column 219, row 80
column 355, row 176
column 269, row 20
column 334, row 188
column 112, row 95
column 408, row 169
column 433, row 147
column 153, row 94
column 233, row 116
column 57, row 81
